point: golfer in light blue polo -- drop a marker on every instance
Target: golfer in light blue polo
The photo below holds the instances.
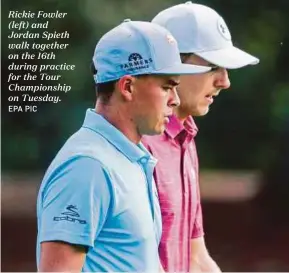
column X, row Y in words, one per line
column 97, row 206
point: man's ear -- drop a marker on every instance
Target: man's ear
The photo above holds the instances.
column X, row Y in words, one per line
column 126, row 85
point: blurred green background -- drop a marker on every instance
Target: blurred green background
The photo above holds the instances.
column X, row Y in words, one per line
column 237, row 133
column 246, row 130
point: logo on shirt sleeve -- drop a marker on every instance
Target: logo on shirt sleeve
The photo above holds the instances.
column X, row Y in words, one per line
column 71, row 215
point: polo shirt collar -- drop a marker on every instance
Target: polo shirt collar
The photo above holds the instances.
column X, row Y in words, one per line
column 100, row 125
column 175, row 127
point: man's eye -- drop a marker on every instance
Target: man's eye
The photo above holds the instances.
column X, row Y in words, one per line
column 167, row 88
column 214, row 68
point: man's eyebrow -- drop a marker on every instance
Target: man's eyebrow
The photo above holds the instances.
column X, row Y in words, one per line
column 172, row 82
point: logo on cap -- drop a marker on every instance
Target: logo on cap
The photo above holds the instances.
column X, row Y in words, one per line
column 136, row 62
column 134, row 57
column 223, row 29
column 171, row 39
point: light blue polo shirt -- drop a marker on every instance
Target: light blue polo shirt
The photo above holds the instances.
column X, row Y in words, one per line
column 99, row 192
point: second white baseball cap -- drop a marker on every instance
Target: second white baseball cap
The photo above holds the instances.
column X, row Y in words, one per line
column 201, row 30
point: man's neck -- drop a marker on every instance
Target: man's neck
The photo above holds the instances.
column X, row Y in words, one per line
column 180, row 115
column 120, row 119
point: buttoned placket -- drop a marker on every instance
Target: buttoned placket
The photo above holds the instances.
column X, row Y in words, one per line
column 184, row 140
column 148, row 167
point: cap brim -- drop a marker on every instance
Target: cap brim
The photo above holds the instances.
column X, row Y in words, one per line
column 183, row 69
column 230, row 57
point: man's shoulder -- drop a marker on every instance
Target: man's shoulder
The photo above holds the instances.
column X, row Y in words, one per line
column 83, row 145
column 158, row 145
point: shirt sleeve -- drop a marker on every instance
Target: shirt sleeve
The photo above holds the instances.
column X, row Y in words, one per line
column 75, row 202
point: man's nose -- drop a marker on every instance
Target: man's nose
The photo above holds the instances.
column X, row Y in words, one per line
column 174, row 99
column 223, row 81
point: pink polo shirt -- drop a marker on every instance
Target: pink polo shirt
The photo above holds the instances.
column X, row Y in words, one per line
column 176, row 177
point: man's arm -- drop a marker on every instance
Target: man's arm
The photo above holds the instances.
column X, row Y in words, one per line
column 201, row 261
column 72, row 211
column 61, row 257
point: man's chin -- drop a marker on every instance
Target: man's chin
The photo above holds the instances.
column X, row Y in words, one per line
column 200, row 112
column 156, row 131
column 159, row 131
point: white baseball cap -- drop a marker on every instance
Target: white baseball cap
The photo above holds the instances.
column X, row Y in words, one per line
column 201, row 30
column 136, row 48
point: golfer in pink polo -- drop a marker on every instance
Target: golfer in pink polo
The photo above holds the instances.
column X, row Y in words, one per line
column 203, row 39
